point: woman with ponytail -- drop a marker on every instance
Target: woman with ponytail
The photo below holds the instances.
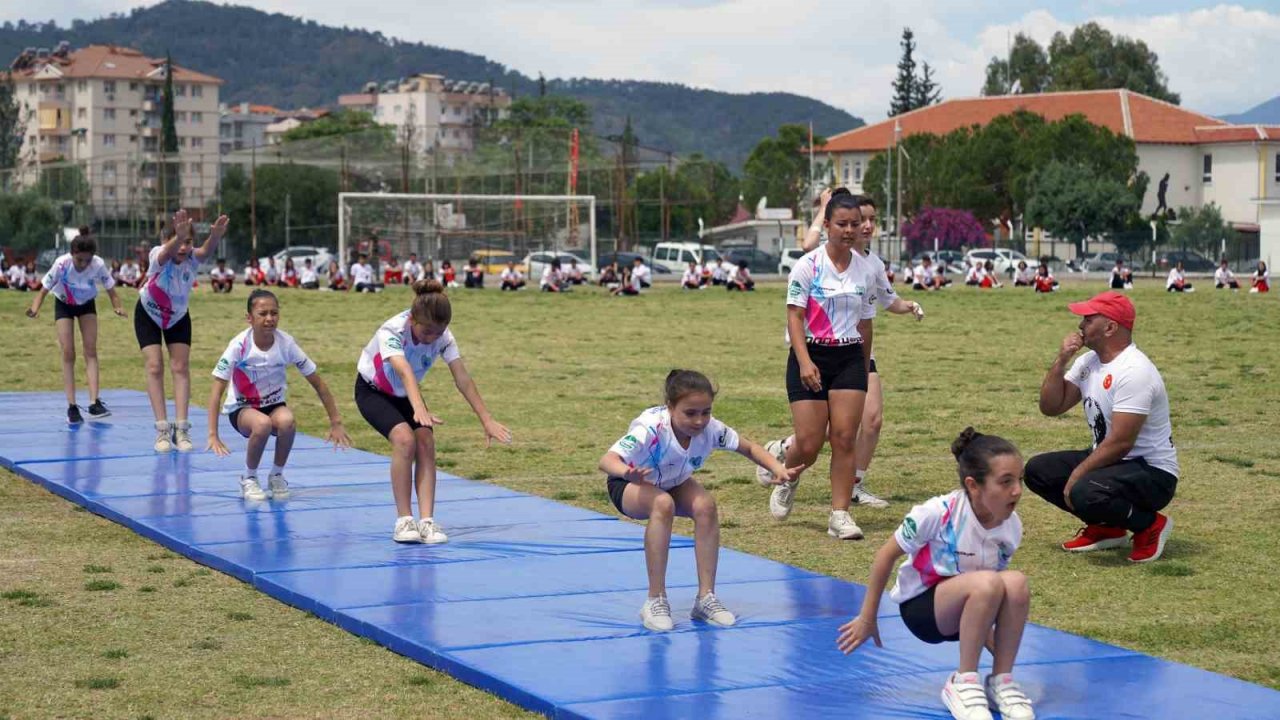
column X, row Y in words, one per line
column 388, row 397
column 955, row 584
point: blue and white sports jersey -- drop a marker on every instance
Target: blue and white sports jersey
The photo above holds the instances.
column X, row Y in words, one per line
column 650, row 443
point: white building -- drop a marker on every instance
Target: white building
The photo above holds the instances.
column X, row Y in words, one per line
column 1207, row 159
column 243, row 126
column 99, row 108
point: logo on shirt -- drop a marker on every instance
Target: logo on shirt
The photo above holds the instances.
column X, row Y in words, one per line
column 696, row 462
column 723, row 439
column 628, row 443
column 394, row 343
column 223, row 365
column 1004, row 554
column 908, row 529
column 795, row 290
column 1106, row 382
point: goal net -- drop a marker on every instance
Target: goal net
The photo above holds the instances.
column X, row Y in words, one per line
column 457, row 227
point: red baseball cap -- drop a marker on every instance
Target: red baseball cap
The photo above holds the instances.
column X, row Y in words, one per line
column 1110, row 305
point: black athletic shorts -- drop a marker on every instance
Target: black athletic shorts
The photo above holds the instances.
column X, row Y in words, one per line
column 841, row 368
column 265, row 410
column 63, row 310
column 382, row 411
column 919, row 617
column 149, row 333
column 873, row 366
column 616, row 486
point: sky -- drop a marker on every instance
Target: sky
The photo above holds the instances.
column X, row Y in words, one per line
column 844, row 53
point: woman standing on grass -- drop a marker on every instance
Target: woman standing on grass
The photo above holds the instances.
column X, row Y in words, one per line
column 387, row 394
column 955, row 584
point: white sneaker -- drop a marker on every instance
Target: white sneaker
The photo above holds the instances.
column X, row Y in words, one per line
column 407, row 530
column 862, row 496
column 782, row 498
column 164, row 433
column 279, row 487
column 1007, row 698
column 708, row 608
column 182, row 436
column 431, row 532
column 656, row 614
column 778, row 449
column 250, row 489
column 841, row 525
column 965, row 698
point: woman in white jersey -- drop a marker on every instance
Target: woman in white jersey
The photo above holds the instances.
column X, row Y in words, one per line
column 650, row 473
column 161, row 316
column 955, row 584
column 387, row 394
column 73, row 280
column 254, row 365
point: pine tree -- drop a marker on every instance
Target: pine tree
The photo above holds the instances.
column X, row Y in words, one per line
column 926, row 91
column 12, row 127
column 168, row 144
column 904, row 87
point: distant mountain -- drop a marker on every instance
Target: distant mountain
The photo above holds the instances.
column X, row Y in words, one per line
column 291, row 62
column 1268, row 113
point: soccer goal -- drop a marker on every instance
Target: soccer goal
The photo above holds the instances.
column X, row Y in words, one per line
column 456, row 227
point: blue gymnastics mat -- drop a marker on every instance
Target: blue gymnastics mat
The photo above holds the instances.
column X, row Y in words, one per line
column 537, row 602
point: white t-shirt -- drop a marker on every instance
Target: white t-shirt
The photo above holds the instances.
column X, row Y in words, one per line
column 1130, row 383
column 650, row 442
column 834, row 302
column 573, row 272
column 717, row 271
column 975, row 274
column 921, row 275
column 395, row 337
column 17, row 275
column 167, row 291
column 1022, row 275
column 222, row 274
column 129, row 271
column 943, row 538
column 551, row 277
column 1261, row 275
column 257, row 376
column 691, row 277
column 1175, row 277
column 308, row 275
column 1223, row 276
column 273, row 273
column 413, row 270
column 513, row 275
column 641, row 274
column 74, row 287
column 250, row 273
column 361, row 274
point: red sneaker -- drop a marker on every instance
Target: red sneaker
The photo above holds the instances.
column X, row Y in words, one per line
column 1148, row 545
column 1096, row 537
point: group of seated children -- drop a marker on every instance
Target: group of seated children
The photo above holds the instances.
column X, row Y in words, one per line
column 256, row 275
column 19, row 276
column 626, row 280
column 1223, row 278
column 715, row 273
column 983, row 275
column 927, row 277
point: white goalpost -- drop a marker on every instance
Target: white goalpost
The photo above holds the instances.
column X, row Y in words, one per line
column 443, row 226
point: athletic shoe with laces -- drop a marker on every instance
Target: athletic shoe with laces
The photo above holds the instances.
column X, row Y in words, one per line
column 1006, row 697
column 1148, row 544
column 73, row 415
column 431, row 532
column 656, row 614
column 778, row 449
column 709, row 609
column 862, row 496
column 841, row 525
column 965, row 698
column 406, row 530
column 782, row 498
column 98, row 410
column 164, row 436
column 250, row 489
column 1096, row 537
column 182, row 436
column 279, row 487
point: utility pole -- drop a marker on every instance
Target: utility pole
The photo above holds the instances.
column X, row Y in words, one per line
column 897, row 143
column 253, row 199
column 288, row 198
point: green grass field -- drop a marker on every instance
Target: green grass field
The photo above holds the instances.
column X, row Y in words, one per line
column 96, row 621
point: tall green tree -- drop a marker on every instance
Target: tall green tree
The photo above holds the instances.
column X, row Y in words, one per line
column 1201, row 229
column 778, row 168
column 1072, row 202
column 904, row 85
column 698, row 189
column 170, row 193
column 926, row 90
column 310, row 191
column 28, row 220
column 13, row 128
column 1026, row 70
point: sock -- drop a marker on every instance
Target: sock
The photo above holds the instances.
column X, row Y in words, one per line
column 428, row 519
column 277, row 469
column 859, row 476
column 251, row 472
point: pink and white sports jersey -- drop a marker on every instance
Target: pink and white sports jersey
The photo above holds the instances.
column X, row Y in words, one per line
column 167, row 291
column 257, row 376
column 943, row 538
column 882, row 293
column 74, row 287
column 394, row 338
column 834, row 301
column 651, row 443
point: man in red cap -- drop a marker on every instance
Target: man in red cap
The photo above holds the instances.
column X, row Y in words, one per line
column 1132, row 471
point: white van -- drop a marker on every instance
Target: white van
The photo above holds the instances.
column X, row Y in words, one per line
column 676, row 256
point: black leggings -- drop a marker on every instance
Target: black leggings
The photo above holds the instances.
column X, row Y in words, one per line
column 1124, row 495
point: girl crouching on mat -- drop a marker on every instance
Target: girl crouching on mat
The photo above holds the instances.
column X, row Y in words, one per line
column 254, row 364
column 650, row 477
column 387, row 394
column 955, row 583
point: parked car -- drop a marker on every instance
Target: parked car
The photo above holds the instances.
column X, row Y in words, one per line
column 492, row 260
column 1104, row 261
column 788, row 260
column 676, row 256
column 1003, row 260
column 756, row 260
column 626, row 259
column 1191, row 260
column 320, row 258
column 535, row 263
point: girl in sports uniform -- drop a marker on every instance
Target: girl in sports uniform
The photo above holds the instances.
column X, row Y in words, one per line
column 73, row 280
column 650, row 473
column 1261, row 281
column 254, row 365
column 955, row 584
column 391, row 365
column 161, row 316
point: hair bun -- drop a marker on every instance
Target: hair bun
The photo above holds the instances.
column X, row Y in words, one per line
column 841, row 191
column 962, row 442
column 428, row 286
